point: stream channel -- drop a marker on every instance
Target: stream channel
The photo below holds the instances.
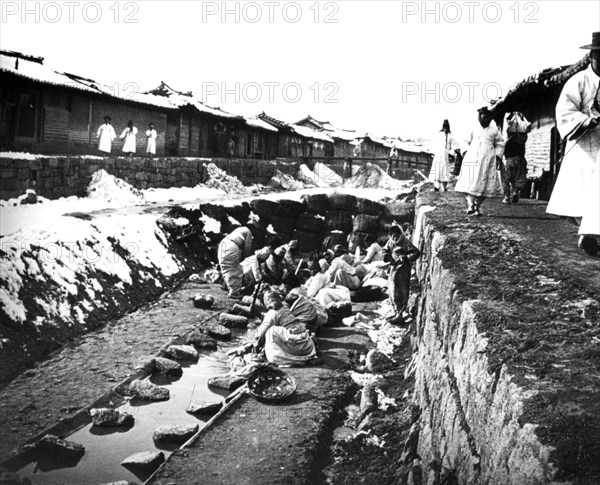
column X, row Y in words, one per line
column 105, row 448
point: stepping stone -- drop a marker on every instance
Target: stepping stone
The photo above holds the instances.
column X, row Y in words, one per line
column 181, row 352
column 110, row 417
column 201, row 340
column 229, row 383
column 54, row 446
column 217, row 331
column 205, row 407
column 175, row 433
column 167, row 367
column 148, row 391
column 233, row 321
column 377, row 361
column 147, row 460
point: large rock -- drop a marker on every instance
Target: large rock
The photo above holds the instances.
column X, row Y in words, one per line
column 148, row 391
column 229, row 383
column 147, row 460
column 56, row 447
column 233, row 321
column 217, row 331
column 110, row 417
column 175, row 433
column 201, row 340
column 205, row 407
column 377, row 361
column 181, row 352
column 167, row 367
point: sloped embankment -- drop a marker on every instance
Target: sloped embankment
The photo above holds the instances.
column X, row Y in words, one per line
column 60, row 282
column 507, row 365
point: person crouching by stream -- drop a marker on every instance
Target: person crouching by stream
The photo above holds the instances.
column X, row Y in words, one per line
column 479, row 175
column 285, row 339
column 233, row 249
column 400, row 253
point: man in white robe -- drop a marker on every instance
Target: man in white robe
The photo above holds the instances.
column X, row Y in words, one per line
column 151, row 136
column 446, row 148
column 578, row 120
column 106, row 134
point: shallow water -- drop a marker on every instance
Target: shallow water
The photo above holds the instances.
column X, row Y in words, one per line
column 105, row 448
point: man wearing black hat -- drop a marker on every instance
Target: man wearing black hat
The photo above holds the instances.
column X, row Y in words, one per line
column 578, row 120
column 106, row 135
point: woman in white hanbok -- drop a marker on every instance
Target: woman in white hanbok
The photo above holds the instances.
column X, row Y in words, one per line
column 129, row 135
column 479, row 175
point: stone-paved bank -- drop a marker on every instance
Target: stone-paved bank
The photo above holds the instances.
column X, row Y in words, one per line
column 508, row 347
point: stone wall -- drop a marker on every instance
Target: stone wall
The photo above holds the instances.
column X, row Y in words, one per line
column 55, row 177
column 503, row 381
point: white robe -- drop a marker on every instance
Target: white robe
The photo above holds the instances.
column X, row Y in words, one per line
column 129, row 136
column 575, row 105
column 106, row 134
column 151, row 139
column 441, row 171
column 590, row 221
column 478, row 174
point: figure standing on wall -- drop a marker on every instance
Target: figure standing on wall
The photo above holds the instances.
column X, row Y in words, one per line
column 514, row 169
column 231, row 147
column 393, row 157
column 129, row 135
column 443, row 162
column 151, row 136
column 106, row 134
column 480, row 172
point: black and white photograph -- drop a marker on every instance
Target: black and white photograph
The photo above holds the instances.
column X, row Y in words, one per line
column 300, row 242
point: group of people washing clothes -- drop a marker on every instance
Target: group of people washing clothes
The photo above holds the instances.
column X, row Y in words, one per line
column 495, row 163
column 296, row 291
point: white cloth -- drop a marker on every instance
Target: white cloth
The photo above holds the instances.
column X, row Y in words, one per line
column 321, row 289
column 151, row 136
column 576, row 105
column 478, row 174
column 232, row 251
column 130, row 142
column 441, row 171
column 106, row 134
column 590, row 221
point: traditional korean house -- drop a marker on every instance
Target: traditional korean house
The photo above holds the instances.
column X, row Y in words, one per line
column 46, row 111
column 536, row 98
column 198, row 130
column 342, row 140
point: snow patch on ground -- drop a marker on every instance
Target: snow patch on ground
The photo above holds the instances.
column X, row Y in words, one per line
column 112, row 189
column 308, row 177
column 286, row 182
column 218, row 179
column 372, row 176
column 68, row 255
column 326, row 176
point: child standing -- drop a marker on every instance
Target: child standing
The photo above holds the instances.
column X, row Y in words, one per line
column 400, row 253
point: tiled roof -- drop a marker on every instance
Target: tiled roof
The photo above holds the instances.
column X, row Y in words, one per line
column 310, row 133
column 258, row 123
